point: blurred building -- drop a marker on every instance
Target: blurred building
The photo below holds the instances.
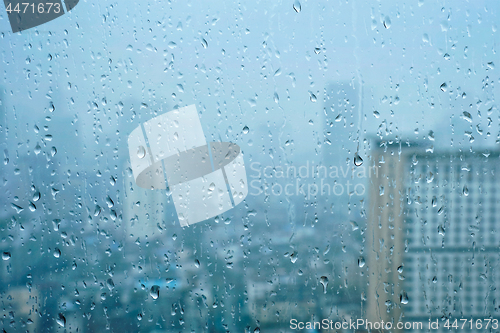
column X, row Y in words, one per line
column 385, row 233
column 340, row 121
column 341, row 141
column 431, row 240
column 145, row 210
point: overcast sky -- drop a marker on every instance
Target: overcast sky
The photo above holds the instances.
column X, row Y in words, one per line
column 259, row 63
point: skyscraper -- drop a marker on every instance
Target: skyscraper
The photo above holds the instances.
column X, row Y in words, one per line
column 431, row 240
column 385, row 234
column 341, row 138
column 341, row 116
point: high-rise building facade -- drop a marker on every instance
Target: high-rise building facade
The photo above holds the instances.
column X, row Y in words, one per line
column 431, row 238
column 385, row 234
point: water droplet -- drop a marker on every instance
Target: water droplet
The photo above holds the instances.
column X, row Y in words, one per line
column 403, row 297
column 211, row 188
column 317, row 50
column 313, row 97
column 32, row 206
column 324, row 281
column 204, row 43
column 38, row 149
column 57, row 253
column 141, row 152
column 246, row 130
column 430, row 177
column 387, row 22
column 17, row 208
column 441, row 230
column 358, row 161
column 110, row 284
column 444, row 87
column 465, row 191
column 400, row 269
column 361, row 261
column 109, row 202
column 6, row 256
column 61, row 320
column 354, row 225
column 256, row 330
column 36, row 196
column 434, row 201
column 467, row 116
column 155, row 292
column 97, row 210
column 197, row 263
column 296, row 6
column 55, row 224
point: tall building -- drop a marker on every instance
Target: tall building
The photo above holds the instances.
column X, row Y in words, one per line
column 431, row 240
column 385, row 234
column 145, row 211
column 340, row 121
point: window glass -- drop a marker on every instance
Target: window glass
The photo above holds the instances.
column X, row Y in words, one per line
column 219, row 166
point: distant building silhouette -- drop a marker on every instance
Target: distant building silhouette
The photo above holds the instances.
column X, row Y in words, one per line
column 341, row 119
